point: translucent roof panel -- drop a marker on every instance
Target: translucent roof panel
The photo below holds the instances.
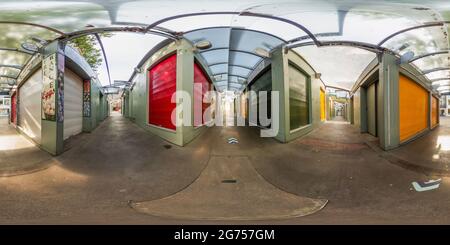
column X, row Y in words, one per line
column 339, row 66
column 9, row 71
column 431, row 62
column 277, row 28
column 13, row 35
column 12, row 57
column 218, row 37
column 215, row 56
column 248, row 40
column 244, row 59
column 236, row 79
column 151, row 11
column 438, row 74
column 67, row 16
column 239, row 71
column 220, row 68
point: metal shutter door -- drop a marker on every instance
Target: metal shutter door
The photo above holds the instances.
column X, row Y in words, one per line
column 372, row 109
column 14, row 109
column 413, row 108
column 162, row 85
column 73, row 104
column 434, row 111
column 199, row 94
column 30, row 106
column 263, row 83
column 322, row 105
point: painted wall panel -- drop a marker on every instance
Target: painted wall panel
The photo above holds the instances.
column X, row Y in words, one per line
column 30, row 106
column 413, row 106
column 162, row 85
column 73, row 104
column 434, row 111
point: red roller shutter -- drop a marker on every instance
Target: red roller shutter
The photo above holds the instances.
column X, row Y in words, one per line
column 162, row 85
column 199, row 93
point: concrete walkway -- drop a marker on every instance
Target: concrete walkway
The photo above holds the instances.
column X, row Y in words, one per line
column 429, row 154
column 19, row 155
column 98, row 179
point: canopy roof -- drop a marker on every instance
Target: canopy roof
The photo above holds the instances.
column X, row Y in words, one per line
column 238, row 29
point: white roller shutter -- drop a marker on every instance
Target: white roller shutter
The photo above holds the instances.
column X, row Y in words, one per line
column 73, row 104
column 30, row 106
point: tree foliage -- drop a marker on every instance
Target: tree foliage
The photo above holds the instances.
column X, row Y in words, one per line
column 88, row 47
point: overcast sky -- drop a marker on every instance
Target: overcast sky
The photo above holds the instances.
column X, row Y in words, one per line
column 124, row 51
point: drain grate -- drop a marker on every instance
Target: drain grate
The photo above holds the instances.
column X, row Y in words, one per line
column 229, row 181
column 167, row 146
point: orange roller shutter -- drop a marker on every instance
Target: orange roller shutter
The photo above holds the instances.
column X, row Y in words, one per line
column 413, row 106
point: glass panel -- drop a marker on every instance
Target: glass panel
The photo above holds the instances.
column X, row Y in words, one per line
column 218, row 37
column 248, row 40
column 236, row 70
column 216, row 56
column 243, row 59
column 9, row 71
column 236, row 79
column 339, row 66
column 298, row 98
column 280, row 29
column 216, row 69
column 11, row 57
column 66, row 16
column 431, row 62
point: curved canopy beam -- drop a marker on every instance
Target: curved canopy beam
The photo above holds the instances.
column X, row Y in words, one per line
column 338, row 88
column 429, row 54
column 134, row 29
column 245, row 13
column 18, row 67
column 16, row 50
column 10, row 77
column 361, row 45
column 435, row 69
column 99, row 40
column 440, row 79
column 35, row 25
column 431, row 24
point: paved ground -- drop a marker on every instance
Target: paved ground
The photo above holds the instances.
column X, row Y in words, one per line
column 19, row 155
column 96, row 180
column 429, row 153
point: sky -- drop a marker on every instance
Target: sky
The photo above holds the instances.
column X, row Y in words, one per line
column 124, row 51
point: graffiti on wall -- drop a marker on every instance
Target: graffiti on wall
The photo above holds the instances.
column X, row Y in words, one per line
column 49, row 74
column 86, row 98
